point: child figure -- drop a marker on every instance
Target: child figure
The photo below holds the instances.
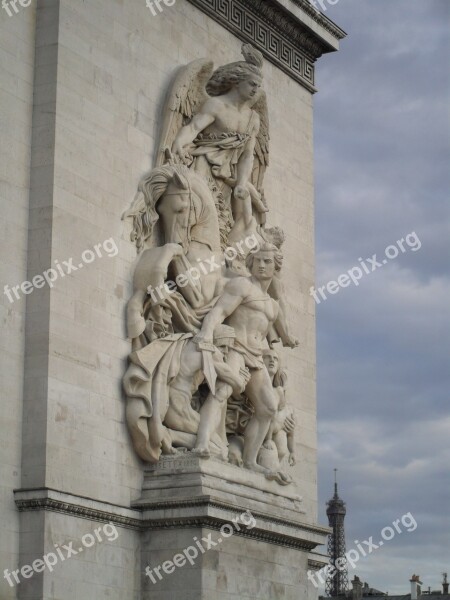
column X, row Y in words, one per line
column 280, row 440
column 283, row 431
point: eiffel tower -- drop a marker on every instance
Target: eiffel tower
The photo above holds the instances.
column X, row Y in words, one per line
column 337, row 584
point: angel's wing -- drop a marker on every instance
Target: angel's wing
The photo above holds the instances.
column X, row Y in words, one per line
column 262, row 143
column 186, row 95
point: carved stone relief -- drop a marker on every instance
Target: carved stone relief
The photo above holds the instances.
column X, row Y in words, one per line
column 208, row 310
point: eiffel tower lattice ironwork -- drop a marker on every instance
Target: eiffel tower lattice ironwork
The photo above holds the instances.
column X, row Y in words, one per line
column 337, row 582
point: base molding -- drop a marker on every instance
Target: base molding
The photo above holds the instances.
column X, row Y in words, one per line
column 48, row 499
column 185, row 492
column 182, row 513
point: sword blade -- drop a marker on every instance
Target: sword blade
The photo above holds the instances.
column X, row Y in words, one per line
column 209, row 370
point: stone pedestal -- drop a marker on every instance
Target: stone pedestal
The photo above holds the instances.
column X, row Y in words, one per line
column 190, row 476
column 234, row 534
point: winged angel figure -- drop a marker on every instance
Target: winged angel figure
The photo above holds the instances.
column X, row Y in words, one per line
column 216, row 123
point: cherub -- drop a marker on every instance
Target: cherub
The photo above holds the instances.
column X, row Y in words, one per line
column 282, row 429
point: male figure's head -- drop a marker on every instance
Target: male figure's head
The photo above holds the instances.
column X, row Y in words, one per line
column 271, row 360
column 278, row 375
column 265, row 262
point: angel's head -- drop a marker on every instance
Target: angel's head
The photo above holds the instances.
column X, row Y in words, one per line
column 245, row 75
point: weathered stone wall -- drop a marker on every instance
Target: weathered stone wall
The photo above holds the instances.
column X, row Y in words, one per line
column 16, row 98
column 235, row 569
column 114, row 63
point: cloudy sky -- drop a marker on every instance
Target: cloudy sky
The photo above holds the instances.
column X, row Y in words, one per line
column 382, row 172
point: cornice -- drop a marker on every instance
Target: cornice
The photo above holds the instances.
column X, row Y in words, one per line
column 210, row 503
column 273, row 537
column 317, row 561
column 41, row 499
column 321, row 19
column 282, row 38
column 176, row 514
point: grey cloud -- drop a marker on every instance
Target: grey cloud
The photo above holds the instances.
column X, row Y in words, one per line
column 382, row 155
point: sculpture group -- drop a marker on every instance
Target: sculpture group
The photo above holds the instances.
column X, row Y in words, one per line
column 207, row 312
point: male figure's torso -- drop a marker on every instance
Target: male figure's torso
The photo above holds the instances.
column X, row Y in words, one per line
column 253, row 317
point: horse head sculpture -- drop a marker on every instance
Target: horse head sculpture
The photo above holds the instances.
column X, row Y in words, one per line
column 183, row 202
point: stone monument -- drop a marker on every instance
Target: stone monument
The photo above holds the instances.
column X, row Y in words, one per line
column 166, row 381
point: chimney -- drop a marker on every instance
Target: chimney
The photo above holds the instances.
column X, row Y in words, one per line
column 444, row 583
column 357, row 588
column 415, row 587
